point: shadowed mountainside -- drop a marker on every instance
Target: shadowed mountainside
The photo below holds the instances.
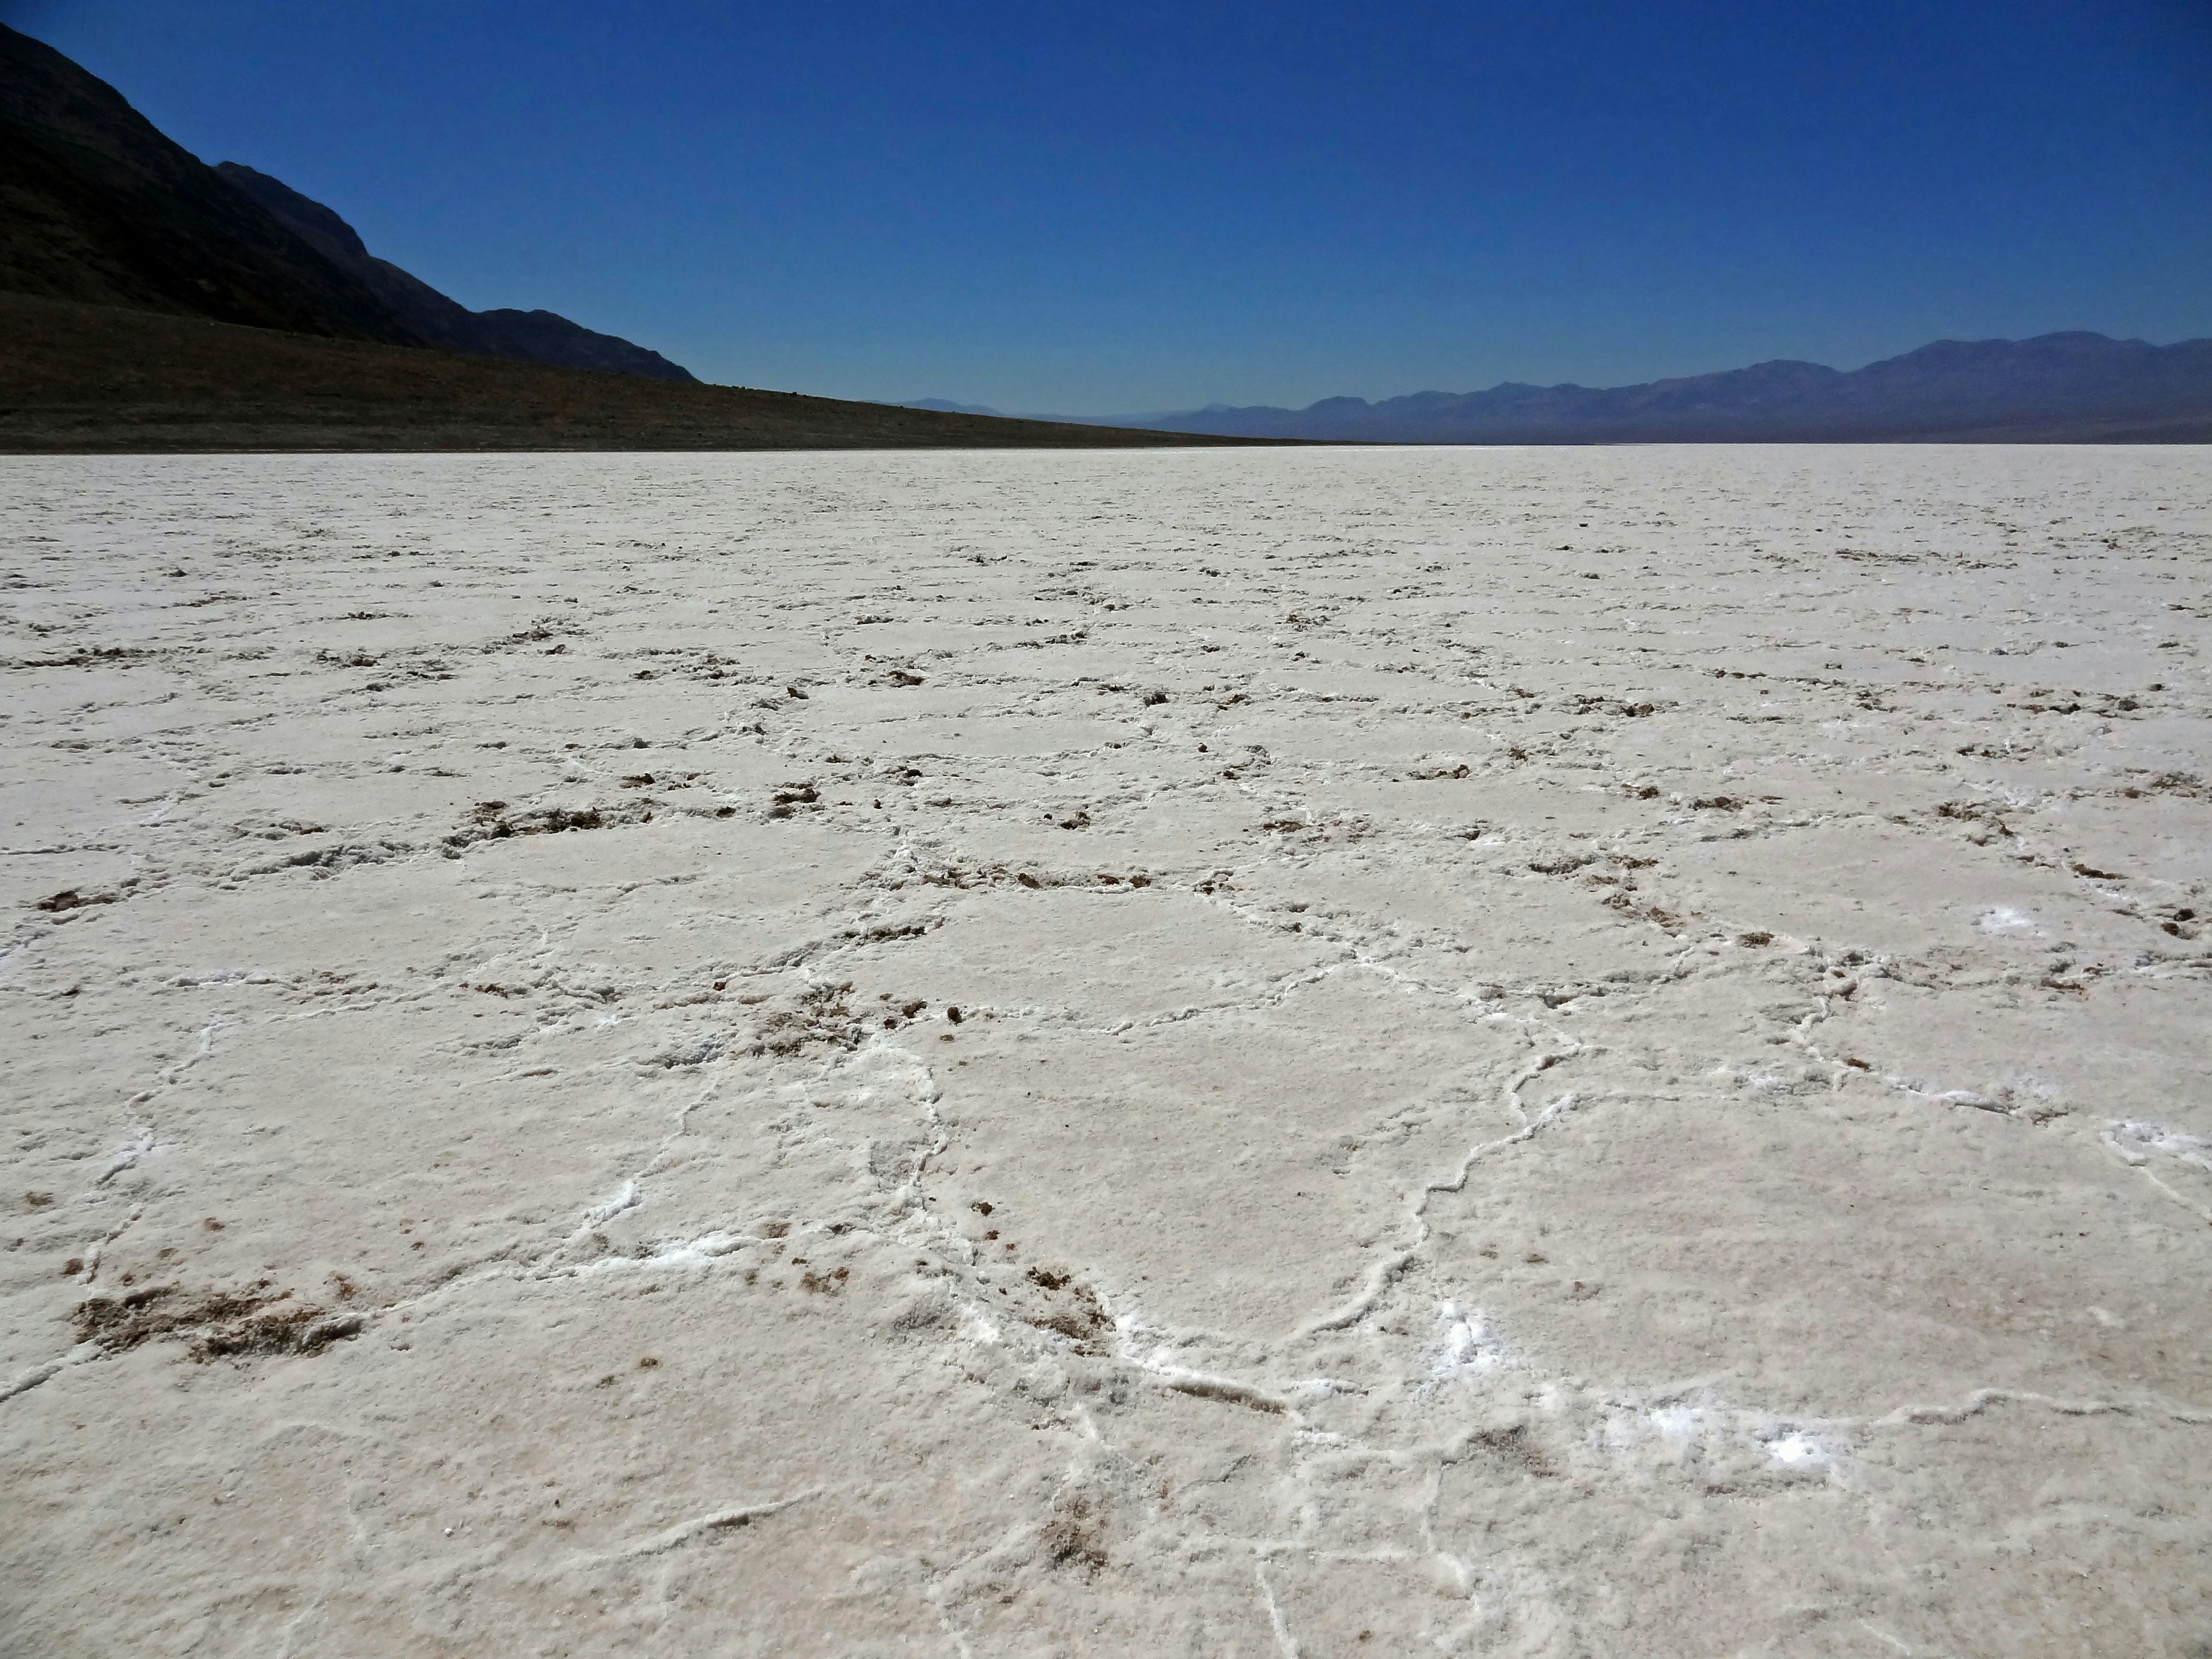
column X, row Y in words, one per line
column 539, row 336
column 79, row 378
column 149, row 302
column 97, row 205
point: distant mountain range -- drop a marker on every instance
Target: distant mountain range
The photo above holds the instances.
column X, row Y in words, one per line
column 97, row 206
column 100, row 210
column 2057, row 387
column 944, row 406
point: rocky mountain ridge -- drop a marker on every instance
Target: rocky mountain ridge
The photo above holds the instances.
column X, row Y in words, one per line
column 98, row 206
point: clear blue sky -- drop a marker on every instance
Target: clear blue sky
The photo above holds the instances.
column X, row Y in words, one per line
column 1104, row 209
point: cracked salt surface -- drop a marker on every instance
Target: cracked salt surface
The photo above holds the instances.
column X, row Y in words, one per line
column 127, row 1157
column 1798, row 1451
column 1250, row 1064
column 625, row 1198
column 2143, row 1144
column 1467, row 1346
column 2136, row 1141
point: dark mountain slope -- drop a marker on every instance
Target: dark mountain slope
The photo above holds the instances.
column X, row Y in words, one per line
column 539, row 336
column 2055, row 386
column 148, row 303
column 546, row 337
column 96, row 205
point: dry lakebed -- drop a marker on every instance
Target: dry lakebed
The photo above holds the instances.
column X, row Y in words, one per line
column 1544, row 1052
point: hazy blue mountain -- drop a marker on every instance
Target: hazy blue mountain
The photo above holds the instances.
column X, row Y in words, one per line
column 2059, row 386
column 946, row 406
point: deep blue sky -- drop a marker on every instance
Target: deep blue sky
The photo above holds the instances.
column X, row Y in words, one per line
column 1100, row 209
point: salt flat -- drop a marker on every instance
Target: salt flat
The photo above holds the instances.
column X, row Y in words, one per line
column 1556, row 1052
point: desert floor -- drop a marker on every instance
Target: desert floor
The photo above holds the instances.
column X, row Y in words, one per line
column 1266, row 1052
